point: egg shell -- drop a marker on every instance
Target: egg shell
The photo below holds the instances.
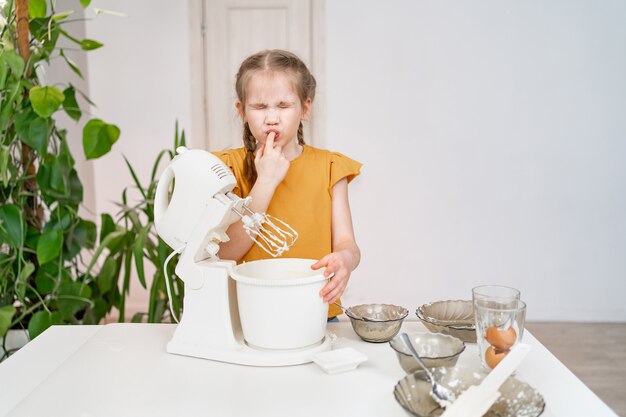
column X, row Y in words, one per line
column 501, row 339
column 494, row 356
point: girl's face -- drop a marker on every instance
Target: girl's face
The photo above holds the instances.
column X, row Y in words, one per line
column 272, row 105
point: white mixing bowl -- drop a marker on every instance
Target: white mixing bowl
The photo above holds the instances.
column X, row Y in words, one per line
column 279, row 303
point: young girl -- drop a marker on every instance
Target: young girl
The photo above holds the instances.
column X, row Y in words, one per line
column 303, row 186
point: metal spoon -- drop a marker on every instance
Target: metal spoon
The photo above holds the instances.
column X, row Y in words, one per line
column 441, row 394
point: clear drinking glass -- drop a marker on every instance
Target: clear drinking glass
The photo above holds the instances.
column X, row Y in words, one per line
column 497, row 292
column 499, row 326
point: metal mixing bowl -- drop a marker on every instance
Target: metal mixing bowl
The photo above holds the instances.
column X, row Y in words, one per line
column 376, row 322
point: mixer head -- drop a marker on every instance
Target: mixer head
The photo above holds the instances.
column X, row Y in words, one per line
column 271, row 234
column 202, row 206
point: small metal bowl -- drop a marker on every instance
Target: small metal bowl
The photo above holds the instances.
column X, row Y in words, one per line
column 435, row 350
column 452, row 317
column 376, row 323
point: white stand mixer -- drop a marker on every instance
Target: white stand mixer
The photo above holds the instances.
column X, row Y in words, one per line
column 193, row 221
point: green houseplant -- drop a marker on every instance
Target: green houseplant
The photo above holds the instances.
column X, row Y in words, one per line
column 43, row 278
column 131, row 241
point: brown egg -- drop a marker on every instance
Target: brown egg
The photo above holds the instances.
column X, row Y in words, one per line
column 501, row 339
column 494, row 356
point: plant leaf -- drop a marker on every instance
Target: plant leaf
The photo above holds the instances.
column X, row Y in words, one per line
column 71, row 64
column 155, row 166
column 38, row 134
column 12, row 225
column 6, row 316
column 110, row 12
column 9, row 101
column 107, row 274
column 71, row 297
column 138, row 253
column 98, row 138
column 60, row 16
column 86, row 234
column 76, row 189
column 45, row 100
column 110, row 241
column 4, row 72
column 37, row 9
column 32, row 237
column 125, row 284
column 107, row 225
column 84, row 96
column 20, row 285
column 57, row 184
column 65, row 153
column 34, row 131
column 135, row 178
column 49, row 245
column 23, row 122
column 15, row 61
column 85, row 3
column 70, row 105
column 61, row 218
column 97, row 311
column 90, row 44
column 41, row 320
column 49, row 276
column 58, row 175
column 82, row 235
column 70, row 37
column 46, row 31
column 4, row 164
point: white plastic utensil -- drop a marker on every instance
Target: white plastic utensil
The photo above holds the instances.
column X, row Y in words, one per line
column 477, row 399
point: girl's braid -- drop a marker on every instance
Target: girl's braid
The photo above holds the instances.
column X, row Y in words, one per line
column 300, row 134
column 249, row 143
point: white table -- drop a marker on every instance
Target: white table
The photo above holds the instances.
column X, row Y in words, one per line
column 123, row 370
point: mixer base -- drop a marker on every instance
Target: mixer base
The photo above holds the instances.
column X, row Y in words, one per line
column 243, row 354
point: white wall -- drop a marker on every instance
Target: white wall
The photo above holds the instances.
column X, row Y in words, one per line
column 139, row 81
column 493, row 136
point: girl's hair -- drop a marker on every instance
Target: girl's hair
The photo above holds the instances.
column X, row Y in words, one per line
column 270, row 61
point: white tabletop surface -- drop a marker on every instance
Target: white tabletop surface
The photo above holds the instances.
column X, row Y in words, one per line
column 123, row 370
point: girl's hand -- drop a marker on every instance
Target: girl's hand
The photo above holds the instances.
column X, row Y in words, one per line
column 271, row 164
column 337, row 263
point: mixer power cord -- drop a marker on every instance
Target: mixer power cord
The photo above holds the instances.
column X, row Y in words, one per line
column 167, row 280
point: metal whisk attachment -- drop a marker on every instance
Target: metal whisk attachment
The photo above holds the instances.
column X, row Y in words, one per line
column 271, row 234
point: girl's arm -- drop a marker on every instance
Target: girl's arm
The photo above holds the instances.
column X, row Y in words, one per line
column 272, row 166
column 346, row 254
column 239, row 243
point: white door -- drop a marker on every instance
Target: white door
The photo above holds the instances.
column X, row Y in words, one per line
column 225, row 33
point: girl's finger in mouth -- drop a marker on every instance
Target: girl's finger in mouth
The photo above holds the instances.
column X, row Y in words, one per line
column 275, row 132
